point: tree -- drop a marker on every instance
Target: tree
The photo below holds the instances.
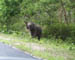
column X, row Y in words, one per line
column 12, row 8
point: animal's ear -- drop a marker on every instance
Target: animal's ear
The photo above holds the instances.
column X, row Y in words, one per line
column 25, row 22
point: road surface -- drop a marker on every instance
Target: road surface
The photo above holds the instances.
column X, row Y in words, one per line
column 9, row 53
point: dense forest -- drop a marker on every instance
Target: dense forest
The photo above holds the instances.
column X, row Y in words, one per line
column 56, row 17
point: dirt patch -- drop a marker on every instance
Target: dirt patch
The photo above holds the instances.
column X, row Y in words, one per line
column 35, row 46
column 5, row 38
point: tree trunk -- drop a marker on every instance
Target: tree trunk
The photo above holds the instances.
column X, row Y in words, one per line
column 60, row 15
column 65, row 15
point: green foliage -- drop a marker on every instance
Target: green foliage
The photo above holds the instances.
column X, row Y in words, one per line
column 11, row 9
column 49, row 14
column 58, row 30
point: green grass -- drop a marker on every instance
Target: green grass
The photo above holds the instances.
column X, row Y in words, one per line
column 49, row 49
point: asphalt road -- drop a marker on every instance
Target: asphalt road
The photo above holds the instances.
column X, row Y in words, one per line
column 9, row 53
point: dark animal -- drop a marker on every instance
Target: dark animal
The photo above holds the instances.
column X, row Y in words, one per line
column 34, row 29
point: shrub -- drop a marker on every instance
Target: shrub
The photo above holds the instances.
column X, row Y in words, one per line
column 58, row 30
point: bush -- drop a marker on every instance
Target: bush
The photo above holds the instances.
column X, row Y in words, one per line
column 62, row 31
column 72, row 31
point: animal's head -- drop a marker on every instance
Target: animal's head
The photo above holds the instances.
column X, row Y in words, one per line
column 25, row 22
column 28, row 24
